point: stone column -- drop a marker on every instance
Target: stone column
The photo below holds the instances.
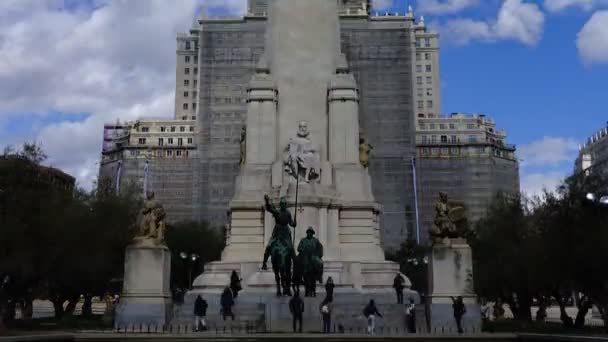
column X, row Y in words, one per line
column 343, row 100
column 261, row 119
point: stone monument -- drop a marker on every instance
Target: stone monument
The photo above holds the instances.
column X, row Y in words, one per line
column 303, row 149
column 146, row 297
column 451, row 271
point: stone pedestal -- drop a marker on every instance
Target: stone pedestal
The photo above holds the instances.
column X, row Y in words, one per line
column 451, row 275
column 146, row 297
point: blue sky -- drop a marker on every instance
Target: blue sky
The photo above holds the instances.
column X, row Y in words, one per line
column 537, row 67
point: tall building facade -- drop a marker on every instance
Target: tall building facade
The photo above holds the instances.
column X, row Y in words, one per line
column 468, row 158
column 594, row 152
column 395, row 60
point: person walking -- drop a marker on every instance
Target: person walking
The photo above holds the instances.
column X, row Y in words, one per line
column 398, row 286
column 296, row 307
column 459, row 311
column 200, row 312
column 227, row 302
column 410, row 316
column 370, row 312
column 235, row 284
column 326, row 314
column 329, row 289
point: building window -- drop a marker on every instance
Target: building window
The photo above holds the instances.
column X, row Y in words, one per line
column 195, row 82
column 444, row 139
column 434, row 151
column 170, row 141
column 186, row 83
column 433, row 139
column 444, row 151
column 145, row 129
column 419, row 80
column 418, row 68
column 195, row 71
column 195, row 59
column 427, row 42
column 429, row 104
column 141, row 141
column 429, row 91
column 472, row 138
column 178, row 153
column 442, row 126
column 194, row 106
column 180, row 142
column 185, row 106
column 428, row 68
column 185, row 94
column 191, row 128
column 454, row 150
column 470, row 126
column 190, row 141
column 454, row 139
column 429, row 80
column 193, row 117
column 162, row 129
column 187, row 71
column 420, row 104
column 418, row 44
column 452, row 126
column 187, row 59
column 420, row 115
column 194, row 93
column 182, row 129
column 184, row 117
column 432, row 126
column 430, row 115
column 169, row 153
column 188, row 46
column 427, row 56
column 422, row 126
column 172, row 128
column 161, row 141
column 417, row 56
column 424, row 140
column 419, row 92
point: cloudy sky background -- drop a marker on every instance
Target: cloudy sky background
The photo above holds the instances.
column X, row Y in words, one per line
column 539, row 68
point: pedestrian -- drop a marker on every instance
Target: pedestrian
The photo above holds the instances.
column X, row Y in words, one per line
column 235, row 284
column 325, row 309
column 200, row 312
column 227, row 301
column 370, row 312
column 398, row 286
column 329, row 289
column 296, row 307
column 459, row 311
column 410, row 316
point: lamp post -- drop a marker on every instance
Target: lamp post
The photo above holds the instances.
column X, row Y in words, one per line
column 189, row 260
column 595, row 198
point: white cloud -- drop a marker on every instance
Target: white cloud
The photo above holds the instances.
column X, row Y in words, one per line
column 548, row 151
column 439, row 7
column 516, row 20
column 381, row 4
column 533, row 184
column 587, row 5
column 592, row 40
column 112, row 59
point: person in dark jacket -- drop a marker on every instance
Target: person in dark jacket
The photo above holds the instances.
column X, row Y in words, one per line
column 398, row 286
column 459, row 311
column 200, row 312
column 235, row 284
column 329, row 289
column 227, row 302
column 325, row 309
column 370, row 312
column 296, row 307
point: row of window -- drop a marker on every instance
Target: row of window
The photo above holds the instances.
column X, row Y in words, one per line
column 429, row 92
column 171, row 129
column 427, row 42
column 187, row 59
column 187, row 71
column 429, row 104
column 170, row 141
column 194, row 93
column 185, row 106
column 427, row 68
column 193, row 118
column 187, row 83
column 444, row 139
column 427, row 56
column 429, row 115
column 189, row 45
column 444, row 126
column 429, row 80
column 168, row 153
column 444, row 151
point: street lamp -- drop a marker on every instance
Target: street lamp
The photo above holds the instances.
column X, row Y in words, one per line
column 189, row 260
column 593, row 198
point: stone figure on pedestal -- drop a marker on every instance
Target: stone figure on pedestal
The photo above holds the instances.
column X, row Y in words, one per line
column 365, row 150
column 152, row 222
column 450, row 220
column 310, row 254
column 302, row 156
column 280, row 246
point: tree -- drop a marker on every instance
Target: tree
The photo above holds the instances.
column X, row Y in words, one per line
column 33, row 152
column 413, row 262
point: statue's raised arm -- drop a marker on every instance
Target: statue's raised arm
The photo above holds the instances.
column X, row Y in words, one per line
column 269, row 207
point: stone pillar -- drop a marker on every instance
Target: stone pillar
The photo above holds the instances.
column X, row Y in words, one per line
column 146, row 297
column 261, row 119
column 343, row 103
column 451, row 275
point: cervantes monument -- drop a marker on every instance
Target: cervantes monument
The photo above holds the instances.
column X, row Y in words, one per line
column 303, row 135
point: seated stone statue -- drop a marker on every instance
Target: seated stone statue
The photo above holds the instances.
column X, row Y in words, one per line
column 152, row 222
column 302, row 156
column 450, row 220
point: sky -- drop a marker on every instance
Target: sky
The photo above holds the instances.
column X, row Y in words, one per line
column 538, row 68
